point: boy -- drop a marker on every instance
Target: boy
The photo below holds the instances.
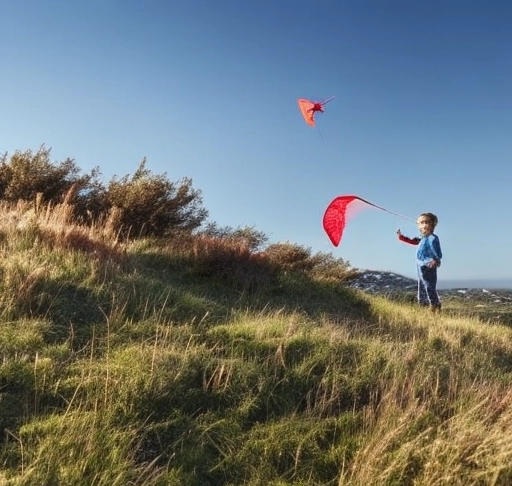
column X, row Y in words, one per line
column 428, row 258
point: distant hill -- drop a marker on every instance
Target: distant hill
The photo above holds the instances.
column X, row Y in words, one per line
column 369, row 279
column 389, row 283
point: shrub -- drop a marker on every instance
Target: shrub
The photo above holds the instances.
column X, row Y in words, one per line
column 246, row 235
column 232, row 262
column 27, row 175
column 151, row 205
column 290, row 257
column 296, row 258
column 142, row 205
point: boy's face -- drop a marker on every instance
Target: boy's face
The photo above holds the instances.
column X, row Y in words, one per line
column 424, row 225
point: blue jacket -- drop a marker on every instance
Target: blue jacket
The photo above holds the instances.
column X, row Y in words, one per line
column 429, row 248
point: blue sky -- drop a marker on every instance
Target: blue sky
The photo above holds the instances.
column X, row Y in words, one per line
column 422, row 118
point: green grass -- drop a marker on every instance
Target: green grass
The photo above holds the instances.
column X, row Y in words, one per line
column 130, row 365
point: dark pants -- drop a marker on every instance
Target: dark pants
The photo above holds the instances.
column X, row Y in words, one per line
column 427, row 283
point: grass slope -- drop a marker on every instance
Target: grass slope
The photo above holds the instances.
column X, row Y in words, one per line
column 130, row 364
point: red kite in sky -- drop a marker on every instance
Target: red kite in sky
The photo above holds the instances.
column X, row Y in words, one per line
column 340, row 210
column 309, row 108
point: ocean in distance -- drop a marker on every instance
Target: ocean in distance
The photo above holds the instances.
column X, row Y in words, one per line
column 475, row 284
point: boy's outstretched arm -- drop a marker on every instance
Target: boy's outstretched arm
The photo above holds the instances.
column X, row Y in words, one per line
column 405, row 239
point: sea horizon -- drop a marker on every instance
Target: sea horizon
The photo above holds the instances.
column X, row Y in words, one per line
column 443, row 283
column 501, row 284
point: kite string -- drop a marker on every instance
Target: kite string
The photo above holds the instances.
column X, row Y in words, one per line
column 387, row 210
column 396, row 214
column 324, row 102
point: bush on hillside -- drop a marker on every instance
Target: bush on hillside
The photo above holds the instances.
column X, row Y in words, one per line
column 327, row 266
column 144, row 204
column 247, row 235
column 27, row 175
column 298, row 259
column 232, row 261
column 151, row 205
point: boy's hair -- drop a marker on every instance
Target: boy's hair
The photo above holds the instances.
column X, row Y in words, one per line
column 431, row 217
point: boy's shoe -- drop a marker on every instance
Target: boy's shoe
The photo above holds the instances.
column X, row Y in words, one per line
column 435, row 308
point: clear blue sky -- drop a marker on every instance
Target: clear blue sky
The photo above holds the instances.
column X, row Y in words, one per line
column 422, row 119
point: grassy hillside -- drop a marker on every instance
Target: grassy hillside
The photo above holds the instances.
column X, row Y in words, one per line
column 193, row 362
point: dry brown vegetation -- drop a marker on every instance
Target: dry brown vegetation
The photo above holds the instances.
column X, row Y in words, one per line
column 197, row 359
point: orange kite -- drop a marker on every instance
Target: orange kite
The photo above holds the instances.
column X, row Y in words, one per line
column 309, row 108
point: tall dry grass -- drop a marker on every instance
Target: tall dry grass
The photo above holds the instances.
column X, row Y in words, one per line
column 140, row 362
